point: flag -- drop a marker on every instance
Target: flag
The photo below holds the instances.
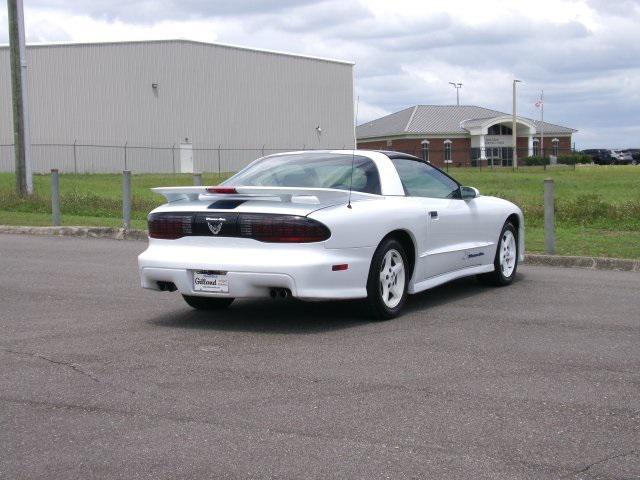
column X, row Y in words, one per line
column 539, row 103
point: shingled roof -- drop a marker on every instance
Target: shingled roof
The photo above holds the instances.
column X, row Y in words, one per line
column 438, row 120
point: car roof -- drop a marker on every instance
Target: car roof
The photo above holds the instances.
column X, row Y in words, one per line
column 393, row 154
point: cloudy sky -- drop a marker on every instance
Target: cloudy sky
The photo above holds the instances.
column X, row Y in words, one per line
column 584, row 53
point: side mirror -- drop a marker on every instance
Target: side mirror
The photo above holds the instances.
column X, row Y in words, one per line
column 467, row 193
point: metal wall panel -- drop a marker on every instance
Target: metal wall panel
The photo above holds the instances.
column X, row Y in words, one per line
column 213, row 95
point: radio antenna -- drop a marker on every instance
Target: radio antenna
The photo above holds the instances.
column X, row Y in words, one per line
column 353, row 152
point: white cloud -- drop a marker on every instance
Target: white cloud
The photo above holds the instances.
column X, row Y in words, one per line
column 584, row 53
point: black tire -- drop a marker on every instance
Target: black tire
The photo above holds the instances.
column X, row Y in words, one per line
column 497, row 277
column 378, row 309
column 207, row 303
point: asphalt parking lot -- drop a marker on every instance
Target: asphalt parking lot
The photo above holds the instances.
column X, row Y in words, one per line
column 100, row 379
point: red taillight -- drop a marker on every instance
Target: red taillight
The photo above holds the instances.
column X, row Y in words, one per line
column 222, row 190
column 262, row 227
column 340, row 267
column 282, row 228
column 168, row 226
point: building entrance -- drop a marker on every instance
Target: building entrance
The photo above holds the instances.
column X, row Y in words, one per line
column 499, row 156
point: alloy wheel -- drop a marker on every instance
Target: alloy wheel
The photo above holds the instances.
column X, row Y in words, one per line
column 392, row 278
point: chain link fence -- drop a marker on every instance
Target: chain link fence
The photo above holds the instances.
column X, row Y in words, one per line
column 87, row 158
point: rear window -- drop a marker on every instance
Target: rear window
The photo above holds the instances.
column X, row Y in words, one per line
column 311, row 170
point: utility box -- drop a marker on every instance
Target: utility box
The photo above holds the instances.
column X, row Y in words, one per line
column 186, row 158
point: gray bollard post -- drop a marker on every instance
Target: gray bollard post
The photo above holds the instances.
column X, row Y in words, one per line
column 549, row 217
column 197, row 179
column 126, row 199
column 55, row 198
column 219, row 161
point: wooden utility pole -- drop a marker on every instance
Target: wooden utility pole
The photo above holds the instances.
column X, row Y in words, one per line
column 21, row 138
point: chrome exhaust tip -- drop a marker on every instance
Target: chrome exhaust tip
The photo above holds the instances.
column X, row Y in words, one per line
column 279, row 293
column 167, row 286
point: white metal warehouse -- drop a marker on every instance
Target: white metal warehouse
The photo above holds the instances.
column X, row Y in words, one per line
column 174, row 105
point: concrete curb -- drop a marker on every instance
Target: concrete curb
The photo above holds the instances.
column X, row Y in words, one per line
column 84, row 232
column 593, row 263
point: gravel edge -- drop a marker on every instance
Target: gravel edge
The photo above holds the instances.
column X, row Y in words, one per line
column 593, row 263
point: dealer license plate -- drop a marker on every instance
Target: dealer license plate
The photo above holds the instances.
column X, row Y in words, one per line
column 205, row 281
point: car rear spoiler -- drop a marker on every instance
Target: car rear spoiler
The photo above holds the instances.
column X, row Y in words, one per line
column 282, row 194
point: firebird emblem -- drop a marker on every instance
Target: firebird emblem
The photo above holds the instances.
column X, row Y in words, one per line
column 215, row 224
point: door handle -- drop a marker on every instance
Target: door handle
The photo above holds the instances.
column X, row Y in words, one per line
column 433, row 215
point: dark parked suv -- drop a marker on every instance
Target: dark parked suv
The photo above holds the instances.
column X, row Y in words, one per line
column 635, row 155
column 601, row 156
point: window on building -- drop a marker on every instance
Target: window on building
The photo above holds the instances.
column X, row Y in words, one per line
column 447, row 151
column 536, row 147
column 425, row 150
column 499, row 130
column 423, row 180
column 555, row 142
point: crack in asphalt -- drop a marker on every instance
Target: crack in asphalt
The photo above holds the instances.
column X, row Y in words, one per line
column 61, row 363
column 400, row 446
column 604, row 460
column 405, row 446
column 70, row 365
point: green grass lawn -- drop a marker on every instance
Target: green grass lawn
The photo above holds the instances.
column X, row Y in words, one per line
column 575, row 240
column 87, row 198
column 598, row 208
column 614, row 184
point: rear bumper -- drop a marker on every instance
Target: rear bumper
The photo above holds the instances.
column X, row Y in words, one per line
column 254, row 268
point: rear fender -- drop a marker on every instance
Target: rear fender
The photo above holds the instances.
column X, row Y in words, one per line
column 366, row 223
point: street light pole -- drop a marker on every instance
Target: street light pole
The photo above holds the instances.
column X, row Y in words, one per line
column 514, row 135
column 542, row 124
column 18, row 58
column 457, row 86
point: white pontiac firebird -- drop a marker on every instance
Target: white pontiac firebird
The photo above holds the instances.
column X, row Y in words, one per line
column 327, row 225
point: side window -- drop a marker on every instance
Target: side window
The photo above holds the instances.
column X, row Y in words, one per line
column 422, row 180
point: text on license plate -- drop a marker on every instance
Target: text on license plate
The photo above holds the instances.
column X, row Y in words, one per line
column 210, row 282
